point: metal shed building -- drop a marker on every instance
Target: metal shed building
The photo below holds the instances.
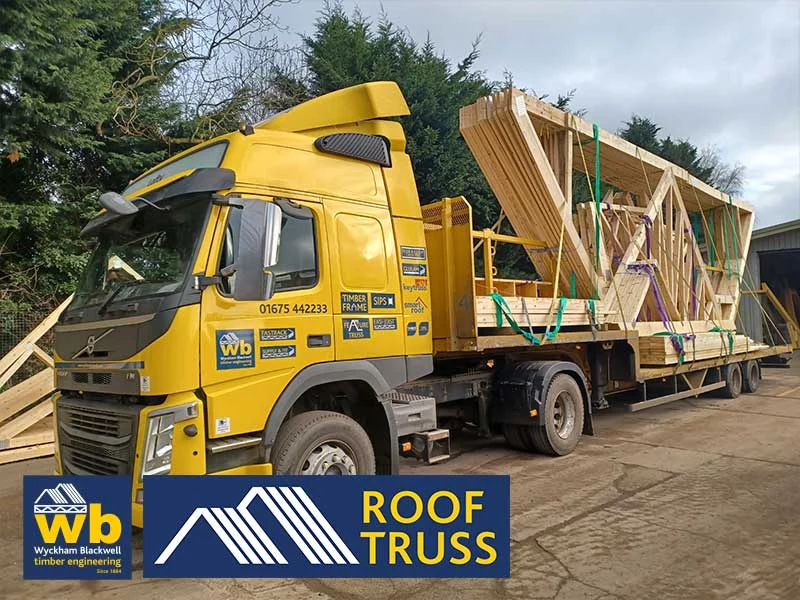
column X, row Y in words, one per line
column 774, row 259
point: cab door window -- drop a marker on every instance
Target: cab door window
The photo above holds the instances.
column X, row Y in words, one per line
column 297, row 266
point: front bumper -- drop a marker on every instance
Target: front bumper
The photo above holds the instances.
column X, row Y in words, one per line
column 96, row 437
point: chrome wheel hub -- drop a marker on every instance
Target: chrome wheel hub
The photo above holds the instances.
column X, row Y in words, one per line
column 564, row 415
column 329, row 458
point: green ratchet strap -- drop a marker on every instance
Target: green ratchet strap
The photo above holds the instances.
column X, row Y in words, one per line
column 596, row 132
column 731, row 337
column 502, row 310
column 676, row 339
column 711, row 233
column 552, row 335
column 735, row 235
column 573, row 288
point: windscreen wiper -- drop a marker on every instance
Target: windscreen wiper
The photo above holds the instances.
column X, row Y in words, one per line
column 113, row 294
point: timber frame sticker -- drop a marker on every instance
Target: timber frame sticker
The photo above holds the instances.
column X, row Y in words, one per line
column 76, row 527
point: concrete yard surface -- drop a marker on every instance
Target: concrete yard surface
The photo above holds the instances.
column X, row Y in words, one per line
column 695, row 499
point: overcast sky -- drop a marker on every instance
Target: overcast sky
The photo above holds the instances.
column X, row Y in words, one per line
column 717, row 72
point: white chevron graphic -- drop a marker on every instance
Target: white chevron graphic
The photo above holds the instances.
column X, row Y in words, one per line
column 64, row 498
column 249, row 544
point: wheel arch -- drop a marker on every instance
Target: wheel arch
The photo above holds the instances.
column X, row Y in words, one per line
column 541, row 373
column 371, row 381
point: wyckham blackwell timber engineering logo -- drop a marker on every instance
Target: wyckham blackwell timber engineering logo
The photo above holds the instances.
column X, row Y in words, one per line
column 77, row 528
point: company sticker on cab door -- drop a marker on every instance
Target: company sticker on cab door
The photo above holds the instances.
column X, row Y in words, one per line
column 355, row 329
column 276, row 333
column 295, row 526
column 268, row 352
column 413, row 252
column 415, row 270
column 354, row 302
column 235, row 349
column 384, row 323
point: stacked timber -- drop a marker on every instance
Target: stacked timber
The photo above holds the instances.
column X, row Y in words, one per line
column 503, row 140
column 659, row 349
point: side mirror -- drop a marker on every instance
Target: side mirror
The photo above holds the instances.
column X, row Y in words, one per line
column 259, row 244
column 116, row 204
column 272, row 234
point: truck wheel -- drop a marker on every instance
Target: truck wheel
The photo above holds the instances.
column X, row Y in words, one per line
column 518, row 437
column 752, row 376
column 563, row 418
column 320, row 442
column 733, row 381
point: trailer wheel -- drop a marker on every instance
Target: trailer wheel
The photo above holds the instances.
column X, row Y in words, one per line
column 752, row 376
column 733, row 381
column 563, row 418
column 321, row 442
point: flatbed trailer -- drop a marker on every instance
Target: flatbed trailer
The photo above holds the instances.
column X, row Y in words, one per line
column 277, row 300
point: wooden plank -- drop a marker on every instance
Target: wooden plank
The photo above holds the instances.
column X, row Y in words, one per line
column 494, row 160
column 699, row 262
column 42, row 435
column 658, row 350
column 537, row 310
column 17, row 454
column 42, row 356
column 505, row 144
column 650, row 328
column 625, row 157
column 20, row 358
column 653, row 208
column 20, row 423
column 26, row 393
column 33, row 336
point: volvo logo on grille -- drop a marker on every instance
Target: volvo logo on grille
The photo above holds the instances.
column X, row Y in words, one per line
column 91, row 342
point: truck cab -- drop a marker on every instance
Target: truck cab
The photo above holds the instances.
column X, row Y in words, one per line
column 248, row 298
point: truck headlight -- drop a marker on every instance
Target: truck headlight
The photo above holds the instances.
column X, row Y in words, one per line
column 158, row 445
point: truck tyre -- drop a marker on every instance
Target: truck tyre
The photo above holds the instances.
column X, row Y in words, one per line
column 752, row 376
column 563, row 418
column 732, row 375
column 518, row 437
column 321, row 442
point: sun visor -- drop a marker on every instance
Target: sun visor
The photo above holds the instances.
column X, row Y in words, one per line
column 199, row 181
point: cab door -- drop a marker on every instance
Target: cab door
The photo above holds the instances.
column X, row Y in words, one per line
column 251, row 349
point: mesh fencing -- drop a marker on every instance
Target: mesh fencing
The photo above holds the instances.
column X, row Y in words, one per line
column 14, row 326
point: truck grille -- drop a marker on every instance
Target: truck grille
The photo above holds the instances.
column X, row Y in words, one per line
column 93, row 378
column 96, row 438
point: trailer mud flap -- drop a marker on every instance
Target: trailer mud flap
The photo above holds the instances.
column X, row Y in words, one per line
column 521, row 389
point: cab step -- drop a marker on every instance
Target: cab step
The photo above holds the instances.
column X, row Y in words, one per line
column 236, row 442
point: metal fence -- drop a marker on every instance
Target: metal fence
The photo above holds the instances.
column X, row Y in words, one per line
column 14, row 326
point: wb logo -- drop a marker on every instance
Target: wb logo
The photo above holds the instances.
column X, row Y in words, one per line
column 76, row 527
column 62, row 511
column 235, row 349
column 231, row 345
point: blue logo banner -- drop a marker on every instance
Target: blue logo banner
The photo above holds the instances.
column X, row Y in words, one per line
column 293, row 526
column 76, row 527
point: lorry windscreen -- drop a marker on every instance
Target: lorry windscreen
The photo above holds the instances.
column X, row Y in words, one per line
column 145, row 254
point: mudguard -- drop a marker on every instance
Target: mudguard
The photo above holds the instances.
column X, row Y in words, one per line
column 521, row 388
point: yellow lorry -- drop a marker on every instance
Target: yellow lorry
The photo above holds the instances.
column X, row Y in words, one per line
column 275, row 301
